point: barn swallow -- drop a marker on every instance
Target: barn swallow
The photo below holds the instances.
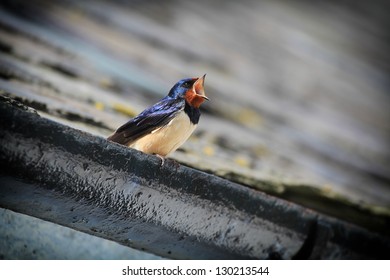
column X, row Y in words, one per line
column 166, row 125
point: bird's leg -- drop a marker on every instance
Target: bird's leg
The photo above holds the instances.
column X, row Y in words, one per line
column 162, row 159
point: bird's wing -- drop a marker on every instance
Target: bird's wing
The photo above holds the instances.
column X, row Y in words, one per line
column 154, row 117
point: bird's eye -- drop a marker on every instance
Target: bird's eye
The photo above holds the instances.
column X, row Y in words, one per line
column 187, row 84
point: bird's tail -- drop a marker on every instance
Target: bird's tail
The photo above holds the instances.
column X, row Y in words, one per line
column 119, row 138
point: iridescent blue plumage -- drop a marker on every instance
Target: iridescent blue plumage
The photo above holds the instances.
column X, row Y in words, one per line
column 156, row 116
column 180, row 88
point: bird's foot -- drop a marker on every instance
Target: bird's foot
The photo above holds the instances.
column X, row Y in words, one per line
column 162, row 159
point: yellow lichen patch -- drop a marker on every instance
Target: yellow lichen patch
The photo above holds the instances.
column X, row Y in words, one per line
column 127, row 110
column 106, row 82
column 249, row 117
column 242, row 161
column 99, row 106
column 327, row 189
column 208, row 151
column 260, row 150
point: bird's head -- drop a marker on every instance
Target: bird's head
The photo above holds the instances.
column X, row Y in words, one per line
column 191, row 89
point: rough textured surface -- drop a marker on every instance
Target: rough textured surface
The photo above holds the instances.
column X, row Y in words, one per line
column 87, row 183
column 299, row 90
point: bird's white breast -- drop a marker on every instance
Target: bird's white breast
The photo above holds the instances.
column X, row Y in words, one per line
column 166, row 139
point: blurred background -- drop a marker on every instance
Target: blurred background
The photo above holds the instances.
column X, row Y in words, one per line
column 299, row 90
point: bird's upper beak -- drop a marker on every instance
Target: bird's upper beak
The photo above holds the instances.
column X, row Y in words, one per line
column 199, row 87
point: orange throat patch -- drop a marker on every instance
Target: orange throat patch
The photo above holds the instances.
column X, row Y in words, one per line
column 193, row 99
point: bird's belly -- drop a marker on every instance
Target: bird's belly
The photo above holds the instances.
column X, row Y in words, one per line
column 166, row 139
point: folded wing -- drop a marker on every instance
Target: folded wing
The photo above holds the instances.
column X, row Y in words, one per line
column 150, row 119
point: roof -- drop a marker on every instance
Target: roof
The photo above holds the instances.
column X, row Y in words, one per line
column 297, row 110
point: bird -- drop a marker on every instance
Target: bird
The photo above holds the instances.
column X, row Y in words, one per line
column 162, row 128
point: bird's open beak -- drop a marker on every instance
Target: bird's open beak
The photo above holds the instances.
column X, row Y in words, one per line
column 199, row 87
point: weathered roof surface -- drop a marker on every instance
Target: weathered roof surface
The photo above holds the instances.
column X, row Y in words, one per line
column 87, row 183
column 299, row 103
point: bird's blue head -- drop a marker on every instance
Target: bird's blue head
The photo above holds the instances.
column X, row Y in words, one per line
column 191, row 89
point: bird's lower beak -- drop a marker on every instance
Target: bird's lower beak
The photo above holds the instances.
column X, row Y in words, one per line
column 199, row 87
